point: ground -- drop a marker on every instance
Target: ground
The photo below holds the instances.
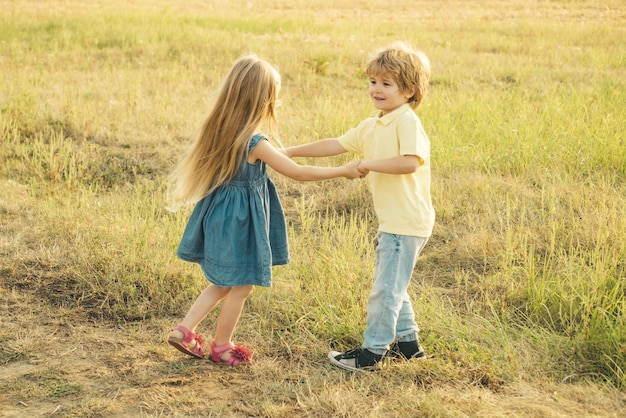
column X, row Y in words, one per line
column 59, row 362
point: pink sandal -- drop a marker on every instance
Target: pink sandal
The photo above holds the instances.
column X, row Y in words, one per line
column 182, row 344
column 238, row 354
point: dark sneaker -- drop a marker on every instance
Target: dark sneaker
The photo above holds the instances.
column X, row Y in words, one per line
column 406, row 350
column 359, row 359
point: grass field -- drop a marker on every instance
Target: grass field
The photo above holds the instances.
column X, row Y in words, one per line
column 520, row 293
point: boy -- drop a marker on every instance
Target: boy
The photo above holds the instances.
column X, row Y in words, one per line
column 396, row 158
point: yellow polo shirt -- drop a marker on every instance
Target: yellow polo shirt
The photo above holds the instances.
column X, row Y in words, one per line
column 402, row 201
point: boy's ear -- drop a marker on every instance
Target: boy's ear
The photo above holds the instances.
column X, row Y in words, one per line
column 409, row 93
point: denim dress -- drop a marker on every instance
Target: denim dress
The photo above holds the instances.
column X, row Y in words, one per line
column 238, row 232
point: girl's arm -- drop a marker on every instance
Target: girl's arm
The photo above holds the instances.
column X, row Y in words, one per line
column 287, row 167
column 321, row 148
column 402, row 164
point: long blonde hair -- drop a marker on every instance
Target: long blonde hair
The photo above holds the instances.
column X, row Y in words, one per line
column 247, row 100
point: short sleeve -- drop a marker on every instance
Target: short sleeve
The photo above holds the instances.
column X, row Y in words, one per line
column 352, row 140
column 413, row 139
column 255, row 140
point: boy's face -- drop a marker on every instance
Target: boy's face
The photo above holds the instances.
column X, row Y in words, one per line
column 386, row 94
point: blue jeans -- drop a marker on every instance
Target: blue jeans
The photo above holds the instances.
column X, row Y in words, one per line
column 390, row 314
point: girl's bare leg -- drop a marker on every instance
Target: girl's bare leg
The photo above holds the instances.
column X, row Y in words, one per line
column 201, row 307
column 229, row 315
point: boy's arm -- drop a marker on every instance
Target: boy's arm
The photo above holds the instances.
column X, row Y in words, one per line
column 402, row 164
column 322, row 148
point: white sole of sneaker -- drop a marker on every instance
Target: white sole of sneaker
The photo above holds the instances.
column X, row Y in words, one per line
column 335, row 362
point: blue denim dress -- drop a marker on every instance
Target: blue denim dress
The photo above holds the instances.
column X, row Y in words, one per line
column 238, row 232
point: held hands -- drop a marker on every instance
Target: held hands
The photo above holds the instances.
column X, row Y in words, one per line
column 353, row 171
column 364, row 171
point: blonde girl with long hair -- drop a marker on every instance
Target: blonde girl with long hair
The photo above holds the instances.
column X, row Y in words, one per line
column 237, row 230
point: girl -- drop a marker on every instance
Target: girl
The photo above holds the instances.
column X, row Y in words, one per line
column 237, row 229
